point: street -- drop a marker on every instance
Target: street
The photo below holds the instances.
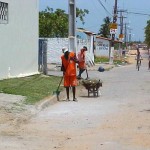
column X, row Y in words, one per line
column 119, row 119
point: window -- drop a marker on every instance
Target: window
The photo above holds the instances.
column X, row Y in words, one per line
column 3, row 12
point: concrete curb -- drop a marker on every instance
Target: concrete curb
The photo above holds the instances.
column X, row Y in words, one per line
column 50, row 100
column 46, row 102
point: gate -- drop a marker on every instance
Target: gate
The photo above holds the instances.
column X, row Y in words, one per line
column 42, row 59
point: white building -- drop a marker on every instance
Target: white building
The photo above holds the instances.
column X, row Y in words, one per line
column 102, row 46
column 18, row 38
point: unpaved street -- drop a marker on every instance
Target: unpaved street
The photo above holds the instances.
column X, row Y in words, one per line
column 117, row 120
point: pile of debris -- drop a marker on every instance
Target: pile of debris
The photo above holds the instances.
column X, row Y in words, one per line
column 92, row 85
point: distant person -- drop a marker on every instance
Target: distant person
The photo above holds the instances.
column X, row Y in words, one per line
column 82, row 62
column 138, row 57
column 149, row 62
column 123, row 52
column 138, row 50
column 69, row 61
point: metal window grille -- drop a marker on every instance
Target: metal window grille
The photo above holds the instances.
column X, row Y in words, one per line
column 3, row 12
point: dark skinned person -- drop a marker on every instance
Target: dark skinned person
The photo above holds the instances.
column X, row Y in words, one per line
column 82, row 62
column 69, row 61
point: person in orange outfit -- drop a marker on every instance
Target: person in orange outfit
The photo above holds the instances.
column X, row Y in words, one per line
column 82, row 63
column 69, row 61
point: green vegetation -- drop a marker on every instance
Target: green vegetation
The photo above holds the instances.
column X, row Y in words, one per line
column 147, row 33
column 118, row 61
column 34, row 87
column 104, row 31
column 55, row 23
column 104, row 59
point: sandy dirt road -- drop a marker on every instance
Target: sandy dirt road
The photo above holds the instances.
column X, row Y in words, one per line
column 117, row 120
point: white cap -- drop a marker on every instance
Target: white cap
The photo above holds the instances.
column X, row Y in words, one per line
column 64, row 49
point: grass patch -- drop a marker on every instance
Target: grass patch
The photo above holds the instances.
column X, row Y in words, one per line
column 104, row 59
column 117, row 61
column 34, row 87
column 101, row 59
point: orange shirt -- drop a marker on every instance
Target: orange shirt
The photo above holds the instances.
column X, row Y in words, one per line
column 81, row 59
column 69, row 65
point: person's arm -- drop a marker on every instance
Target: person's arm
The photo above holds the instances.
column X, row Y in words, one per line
column 74, row 58
column 83, row 56
column 63, row 69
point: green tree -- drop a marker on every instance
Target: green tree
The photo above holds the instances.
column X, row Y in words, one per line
column 104, row 31
column 147, row 33
column 81, row 14
column 55, row 23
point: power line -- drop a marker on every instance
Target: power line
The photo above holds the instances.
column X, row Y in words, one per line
column 136, row 13
column 104, row 7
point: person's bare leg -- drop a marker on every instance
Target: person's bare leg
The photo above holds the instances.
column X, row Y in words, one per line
column 74, row 93
column 67, row 92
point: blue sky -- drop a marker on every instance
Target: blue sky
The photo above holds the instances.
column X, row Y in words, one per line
column 97, row 13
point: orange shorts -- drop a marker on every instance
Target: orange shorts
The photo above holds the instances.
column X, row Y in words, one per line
column 70, row 81
column 82, row 65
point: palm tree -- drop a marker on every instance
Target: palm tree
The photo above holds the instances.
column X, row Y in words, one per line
column 104, row 31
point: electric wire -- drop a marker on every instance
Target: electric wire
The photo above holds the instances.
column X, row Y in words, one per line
column 104, row 8
column 136, row 13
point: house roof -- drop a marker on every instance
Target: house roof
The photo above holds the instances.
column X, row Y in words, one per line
column 108, row 39
column 85, row 31
column 92, row 33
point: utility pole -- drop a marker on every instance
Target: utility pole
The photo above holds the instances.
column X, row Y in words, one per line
column 121, row 35
column 128, row 35
column 72, row 25
column 113, row 35
column 129, row 39
column 125, row 33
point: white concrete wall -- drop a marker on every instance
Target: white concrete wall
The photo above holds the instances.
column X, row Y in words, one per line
column 19, row 39
column 102, row 47
column 54, row 49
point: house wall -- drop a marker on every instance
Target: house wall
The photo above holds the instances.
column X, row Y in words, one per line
column 102, row 47
column 19, row 39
